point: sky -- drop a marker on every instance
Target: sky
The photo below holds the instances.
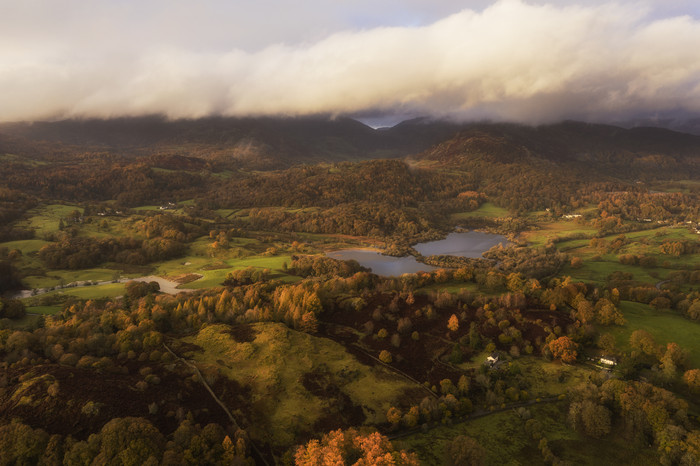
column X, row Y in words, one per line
column 528, row 61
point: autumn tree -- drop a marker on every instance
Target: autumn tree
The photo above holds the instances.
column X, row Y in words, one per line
column 564, row 348
column 692, row 380
column 590, row 418
column 352, row 447
column 393, row 416
column 606, row 342
column 643, row 341
column 453, row 323
column 385, row 357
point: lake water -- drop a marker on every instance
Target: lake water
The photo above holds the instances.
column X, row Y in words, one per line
column 387, row 266
column 467, row 244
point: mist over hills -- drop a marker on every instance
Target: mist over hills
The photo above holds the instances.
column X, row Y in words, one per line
column 271, row 143
column 274, row 141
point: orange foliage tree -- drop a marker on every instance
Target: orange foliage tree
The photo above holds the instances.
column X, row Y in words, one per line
column 564, row 348
column 352, row 447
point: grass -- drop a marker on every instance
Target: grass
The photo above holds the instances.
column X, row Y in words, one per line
column 27, row 246
column 551, row 378
column 646, row 242
column 216, row 277
column 273, row 364
column 111, row 290
column 487, row 209
column 665, row 327
column 45, row 219
column 44, row 310
column 506, row 442
column 555, row 229
column 58, row 277
column 597, row 271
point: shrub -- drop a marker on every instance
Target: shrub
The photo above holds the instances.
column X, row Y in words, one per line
column 385, row 357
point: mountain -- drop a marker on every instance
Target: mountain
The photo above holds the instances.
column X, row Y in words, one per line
column 592, row 148
column 275, row 143
column 264, row 142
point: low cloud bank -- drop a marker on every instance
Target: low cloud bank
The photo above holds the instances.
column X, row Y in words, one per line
column 511, row 61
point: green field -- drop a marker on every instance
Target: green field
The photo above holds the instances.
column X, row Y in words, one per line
column 272, row 365
column 45, row 310
column 666, row 327
column 546, row 231
column 487, row 209
column 27, row 246
column 596, row 271
column 63, row 277
column 110, row 290
column 216, row 277
column 45, row 219
column 506, row 442
column 598, row 263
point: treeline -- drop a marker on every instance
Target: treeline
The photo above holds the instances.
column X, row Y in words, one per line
column 635, row 206
column 530, row 261
column 13, row 204
column 92, row 177
column 85, row 252
column 642, row 413
column 166, row 238
column 325, row 267
column 390, row 182
column 129, row 440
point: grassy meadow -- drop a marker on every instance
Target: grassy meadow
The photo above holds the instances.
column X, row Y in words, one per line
column 273, row 364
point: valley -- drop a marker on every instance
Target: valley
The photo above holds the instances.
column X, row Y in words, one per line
column 581, row 243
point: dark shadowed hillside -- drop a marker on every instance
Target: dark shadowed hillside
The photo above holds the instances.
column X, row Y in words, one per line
column 595, row 149
column 262, row 142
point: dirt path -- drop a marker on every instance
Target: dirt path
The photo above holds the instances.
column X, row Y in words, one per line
column 661, row 283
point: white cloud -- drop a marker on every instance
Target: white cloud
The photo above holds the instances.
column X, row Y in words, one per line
column 511, row 60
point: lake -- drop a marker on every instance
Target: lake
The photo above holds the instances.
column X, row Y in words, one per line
column 387, row 266
column 466, row 244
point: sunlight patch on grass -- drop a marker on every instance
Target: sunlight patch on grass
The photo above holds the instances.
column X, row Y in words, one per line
column 273, row 365
column 664, row 326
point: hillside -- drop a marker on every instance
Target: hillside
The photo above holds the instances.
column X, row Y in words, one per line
column 268, row 346
column 261, row 142
column 600, row 150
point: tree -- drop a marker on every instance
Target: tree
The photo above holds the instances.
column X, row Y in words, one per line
column 309, row 323
column 393, row 416
column 385, row 357
column 643, row 341
column 352, row 447
column 464, row 451
column 128, row 441
column 565, row 349
column 591, row 418
column 673, row 359
column 692, row 380
column 585, row 311
column 606, row 342
column 453, row 323
column 20, row 444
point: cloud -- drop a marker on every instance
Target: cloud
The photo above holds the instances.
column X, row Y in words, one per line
column 509, row 61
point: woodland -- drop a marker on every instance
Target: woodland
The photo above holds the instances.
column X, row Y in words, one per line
column 575, row 342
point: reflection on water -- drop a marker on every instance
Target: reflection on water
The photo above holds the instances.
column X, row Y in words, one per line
column 382, row 265
column 468, row 244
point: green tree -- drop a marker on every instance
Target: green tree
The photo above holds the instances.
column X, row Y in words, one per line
column 464, row 451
